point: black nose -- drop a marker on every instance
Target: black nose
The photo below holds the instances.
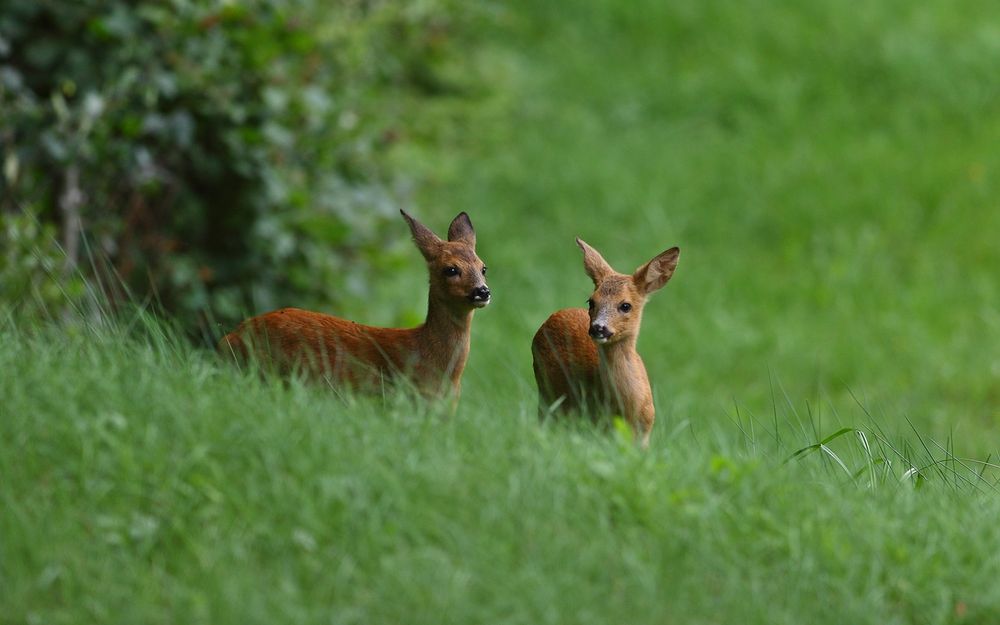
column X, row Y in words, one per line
column 599, row 331
column 480, row 294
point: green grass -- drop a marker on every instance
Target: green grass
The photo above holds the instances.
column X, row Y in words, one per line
column 144, row 483
column 830, row 173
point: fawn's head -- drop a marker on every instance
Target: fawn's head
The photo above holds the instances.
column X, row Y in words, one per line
column 457, row 275
column 617, row 301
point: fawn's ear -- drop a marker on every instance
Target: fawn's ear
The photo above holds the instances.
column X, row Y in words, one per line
column 427, row 242
column 654, row 274
column 461, row 230
column 593, row 263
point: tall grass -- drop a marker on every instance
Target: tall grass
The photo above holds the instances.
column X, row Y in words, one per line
column 143, row 481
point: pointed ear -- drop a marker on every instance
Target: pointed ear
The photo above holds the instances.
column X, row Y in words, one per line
column 427, row 242
column 593, row 263
column 461, row 230
column 654, row 274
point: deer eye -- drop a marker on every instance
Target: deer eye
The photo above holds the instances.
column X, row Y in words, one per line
column 625, row 307
column 451, row 272
column 484, row 270
column 590, row 304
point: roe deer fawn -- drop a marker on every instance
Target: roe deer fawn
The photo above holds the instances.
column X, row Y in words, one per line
column 431, row 357
column 586, row 361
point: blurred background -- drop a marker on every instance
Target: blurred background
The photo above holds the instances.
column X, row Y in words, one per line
column 830, row 171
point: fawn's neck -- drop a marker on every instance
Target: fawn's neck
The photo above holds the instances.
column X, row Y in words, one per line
column 620, row 367
column 445, row 337
column 618, row 356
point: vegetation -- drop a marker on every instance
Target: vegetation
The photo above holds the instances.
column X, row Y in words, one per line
column 145, row 483
column 223, row 156
column 823, row 360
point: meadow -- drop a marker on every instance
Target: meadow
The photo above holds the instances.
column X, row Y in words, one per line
column 824, row 360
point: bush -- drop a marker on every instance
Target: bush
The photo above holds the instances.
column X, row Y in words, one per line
column 32, row 271
column 223, row 156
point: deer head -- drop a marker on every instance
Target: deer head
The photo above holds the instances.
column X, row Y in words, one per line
column 457, row 275
column 617, row 301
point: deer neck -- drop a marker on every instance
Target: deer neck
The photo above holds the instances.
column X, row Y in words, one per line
column 619, row 367
column 445, row 337
column 619, row 356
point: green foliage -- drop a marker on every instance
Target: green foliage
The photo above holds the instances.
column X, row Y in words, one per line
column 222, row 155
column 33, row 276
column 145, row 482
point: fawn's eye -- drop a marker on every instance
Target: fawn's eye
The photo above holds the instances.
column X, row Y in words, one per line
column 590, row 304
column 451, row 272
column 484, row 270
column 624, row 307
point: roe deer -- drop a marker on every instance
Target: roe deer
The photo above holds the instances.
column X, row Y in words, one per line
column 586, row 361
column 431, row 357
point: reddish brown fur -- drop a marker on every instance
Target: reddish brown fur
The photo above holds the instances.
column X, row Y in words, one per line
column 576, row 374
column 431, row 356
column 566, row 361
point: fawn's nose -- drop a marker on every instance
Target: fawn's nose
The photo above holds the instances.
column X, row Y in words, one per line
column 480, row 295
column 600, row 331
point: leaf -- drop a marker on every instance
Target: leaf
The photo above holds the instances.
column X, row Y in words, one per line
column 820, row 445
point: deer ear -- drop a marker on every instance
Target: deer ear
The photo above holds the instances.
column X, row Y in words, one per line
column 593, row 263
column 461, row 230
column 657, row 272
column 427, row 242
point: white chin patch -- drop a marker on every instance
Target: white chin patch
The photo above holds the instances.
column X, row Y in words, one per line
column 600, row 339
column 481, row 303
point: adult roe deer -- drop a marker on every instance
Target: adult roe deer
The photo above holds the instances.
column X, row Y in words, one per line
column 586, row 361
column 431, row 356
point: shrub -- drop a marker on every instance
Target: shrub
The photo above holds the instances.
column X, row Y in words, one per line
column 222, row 156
